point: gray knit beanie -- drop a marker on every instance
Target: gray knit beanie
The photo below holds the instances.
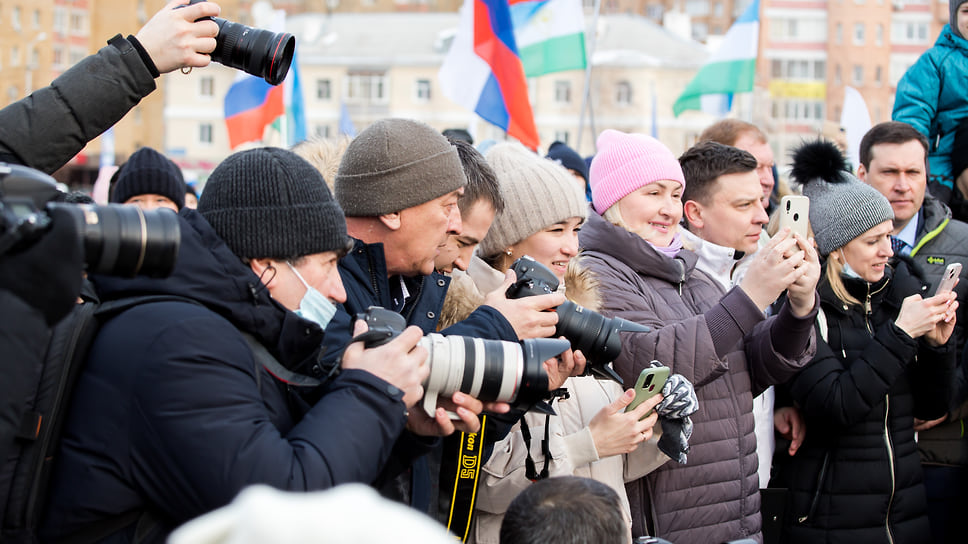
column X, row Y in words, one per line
column 148, row 172
column 271, row 203
column 537, row 194
column 841, row 206
column 953, row 6
column 396, row 164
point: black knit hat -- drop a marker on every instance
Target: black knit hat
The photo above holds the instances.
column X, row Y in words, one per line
column 148, row 172
column 569, row 158
column 271, row 203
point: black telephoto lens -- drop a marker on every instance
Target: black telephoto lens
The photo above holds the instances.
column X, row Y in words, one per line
column 126, row 241
column 258, row 52
column 254, row 51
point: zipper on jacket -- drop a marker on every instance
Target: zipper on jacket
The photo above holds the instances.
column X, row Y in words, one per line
column 890, row 461
column 821, row 476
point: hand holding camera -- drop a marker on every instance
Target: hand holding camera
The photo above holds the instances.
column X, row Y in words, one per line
column 483, row 370
column 596, row 336
column 177, row 38
column 398, row 362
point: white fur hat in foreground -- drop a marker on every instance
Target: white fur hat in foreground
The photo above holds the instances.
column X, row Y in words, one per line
column 348, row 514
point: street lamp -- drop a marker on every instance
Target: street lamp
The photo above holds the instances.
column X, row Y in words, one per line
column 29, row 64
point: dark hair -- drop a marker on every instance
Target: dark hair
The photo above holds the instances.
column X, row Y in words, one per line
column 481, row 180
column 728, row 131
column 565, row 510
column 703, row 163
column 458, row 134
column 889, row 132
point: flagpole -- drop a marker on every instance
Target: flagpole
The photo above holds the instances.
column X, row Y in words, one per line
column 585, row 103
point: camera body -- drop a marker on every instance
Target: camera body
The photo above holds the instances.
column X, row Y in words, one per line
column 490, row 370
column 117, row 240
column 595, row 335
column 255, row 51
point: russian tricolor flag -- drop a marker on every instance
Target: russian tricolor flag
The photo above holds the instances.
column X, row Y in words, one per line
column 251, row 105
column 483, row 71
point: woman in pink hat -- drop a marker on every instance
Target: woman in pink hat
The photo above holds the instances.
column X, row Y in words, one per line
column 720, row 341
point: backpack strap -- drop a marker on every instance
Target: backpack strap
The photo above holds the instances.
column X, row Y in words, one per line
column 266, row 360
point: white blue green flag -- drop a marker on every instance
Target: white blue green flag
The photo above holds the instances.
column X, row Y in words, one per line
column 730, row 70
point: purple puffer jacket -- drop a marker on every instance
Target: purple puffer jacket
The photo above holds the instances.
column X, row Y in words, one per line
column 724, row 345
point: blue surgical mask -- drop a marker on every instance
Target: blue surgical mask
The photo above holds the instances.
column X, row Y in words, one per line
column 848, row 271
column 313, row 306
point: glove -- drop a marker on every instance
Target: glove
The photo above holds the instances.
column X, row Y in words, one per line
column 47, row 273
column 678, row 404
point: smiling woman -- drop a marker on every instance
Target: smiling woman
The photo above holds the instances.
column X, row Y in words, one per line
column 882, row 362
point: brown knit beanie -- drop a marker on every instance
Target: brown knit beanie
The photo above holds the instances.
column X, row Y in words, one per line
column 271, row 203
column 396, row 164
column 537, row 194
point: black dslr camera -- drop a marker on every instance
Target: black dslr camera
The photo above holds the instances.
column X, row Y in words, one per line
column 490, row 370
column 595, row 335
column 255, row 51
column 117, row 240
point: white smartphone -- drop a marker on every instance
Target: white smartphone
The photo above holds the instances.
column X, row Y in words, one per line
column 949, row 279
column 795, row 213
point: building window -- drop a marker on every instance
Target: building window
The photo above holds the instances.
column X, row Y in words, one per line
column 857, row 78
column 15, row 56
column 322, row 131
column 15, row 18
column 859, row 32
column 878, row 76
column 58, row 56
column 324, row 89
column 60, row 21
column 422, row 90
column 697, row 8
column 718, row 9
column 35, row 19
column 623, row 93
column 654, row 11
column 206, row 86
column 838, row 79
column 205, row 133
column 820, row 70
column 879, row 34
column 562, row 92
column 367, row 88
column 776, row 68
column 839, row 34
column 34, row 59
column 78, row 23
column 561, row 136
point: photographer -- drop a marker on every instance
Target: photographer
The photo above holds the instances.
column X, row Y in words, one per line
column 175, row 411
column 399, row 183
column 38, row 286
column 49, row 127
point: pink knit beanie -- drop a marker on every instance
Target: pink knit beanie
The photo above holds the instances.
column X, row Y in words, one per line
column 626, row 162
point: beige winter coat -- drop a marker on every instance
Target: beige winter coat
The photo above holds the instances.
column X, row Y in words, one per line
column 570, row 441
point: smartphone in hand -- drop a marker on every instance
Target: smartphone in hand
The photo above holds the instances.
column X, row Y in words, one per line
column 949, row 278
column 648, row 385
column 795, row 213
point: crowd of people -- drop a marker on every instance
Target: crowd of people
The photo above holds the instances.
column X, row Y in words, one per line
column 825, row 366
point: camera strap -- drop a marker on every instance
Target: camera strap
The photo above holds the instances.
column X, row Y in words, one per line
column 465, row 475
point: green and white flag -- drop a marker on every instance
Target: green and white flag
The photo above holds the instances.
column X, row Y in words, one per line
column 550, row 35
column 729, row 71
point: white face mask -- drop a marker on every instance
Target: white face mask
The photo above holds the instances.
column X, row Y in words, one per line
column 848, row 271
column 313, row 306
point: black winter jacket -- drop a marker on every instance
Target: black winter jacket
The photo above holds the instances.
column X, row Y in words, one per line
column 857, row 477
column 173, row 415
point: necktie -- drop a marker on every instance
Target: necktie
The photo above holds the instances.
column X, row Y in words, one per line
column 897, row 245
